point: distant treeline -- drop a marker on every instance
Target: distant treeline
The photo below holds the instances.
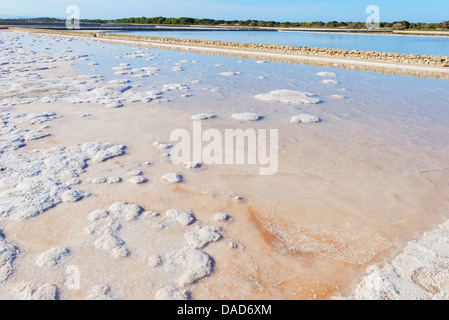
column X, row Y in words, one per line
column 397, row 25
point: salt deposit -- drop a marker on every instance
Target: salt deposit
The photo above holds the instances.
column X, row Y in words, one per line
column 171, row 293
column 420, row 272
column 182, row 217
column 246, row 116
column 192, row 165
column 304, row 118
column 202, row 236
column 330, row 81
column 172, row 177
column 191, row 264
column 222, row 216
column 8, row 253
column 52, row 257
column 138, row 180
column 38, row 292
column 100, row 292
column 289, row 96
column 203, row 116
column 38, row 180
column 326, row 74
column 227, row 74
column 175, row 86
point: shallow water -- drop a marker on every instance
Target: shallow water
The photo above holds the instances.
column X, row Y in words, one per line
column 350, row 190
column 370, row 42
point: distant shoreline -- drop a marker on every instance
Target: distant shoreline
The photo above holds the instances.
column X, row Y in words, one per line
column 382, row 62
column 149, row 27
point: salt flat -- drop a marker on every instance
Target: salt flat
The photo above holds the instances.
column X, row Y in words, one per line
column 351, row 190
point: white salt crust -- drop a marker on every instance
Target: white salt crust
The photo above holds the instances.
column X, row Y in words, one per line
column 289, row 96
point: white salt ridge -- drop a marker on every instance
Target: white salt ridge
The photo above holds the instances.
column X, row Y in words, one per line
column 52, row 257
column 420, row 272
column 304, row 118
column 246, row 116
column 203, row 116
column 289, row 96
column 330, row 81
column 338, row 96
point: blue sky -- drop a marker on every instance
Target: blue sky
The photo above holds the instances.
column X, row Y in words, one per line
column 278, row 10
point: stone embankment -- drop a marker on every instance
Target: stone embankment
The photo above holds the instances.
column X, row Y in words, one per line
column 396, row 63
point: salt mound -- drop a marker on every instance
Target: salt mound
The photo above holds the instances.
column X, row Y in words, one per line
column 113, row 244
column 202, row 236
column 171, row 293
column 38, row 292
column 52, row 257
column 246, row 116
column 192, row 165
column 326, row 74
column 304, row 118
column 100, row 292
column 228, row 74
column 191, row 263
column 162, row 145
column 155, row 261
column 172, row 177
column 119, row 81
column 138, row 180
column 8, row 254
column 175, row 86
column 182, row 217
column 222, row 216
column 203, row 116
column 135, row 173
column 329, row 81
column 114, row 179
column 126, row 210
column 289, row 96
